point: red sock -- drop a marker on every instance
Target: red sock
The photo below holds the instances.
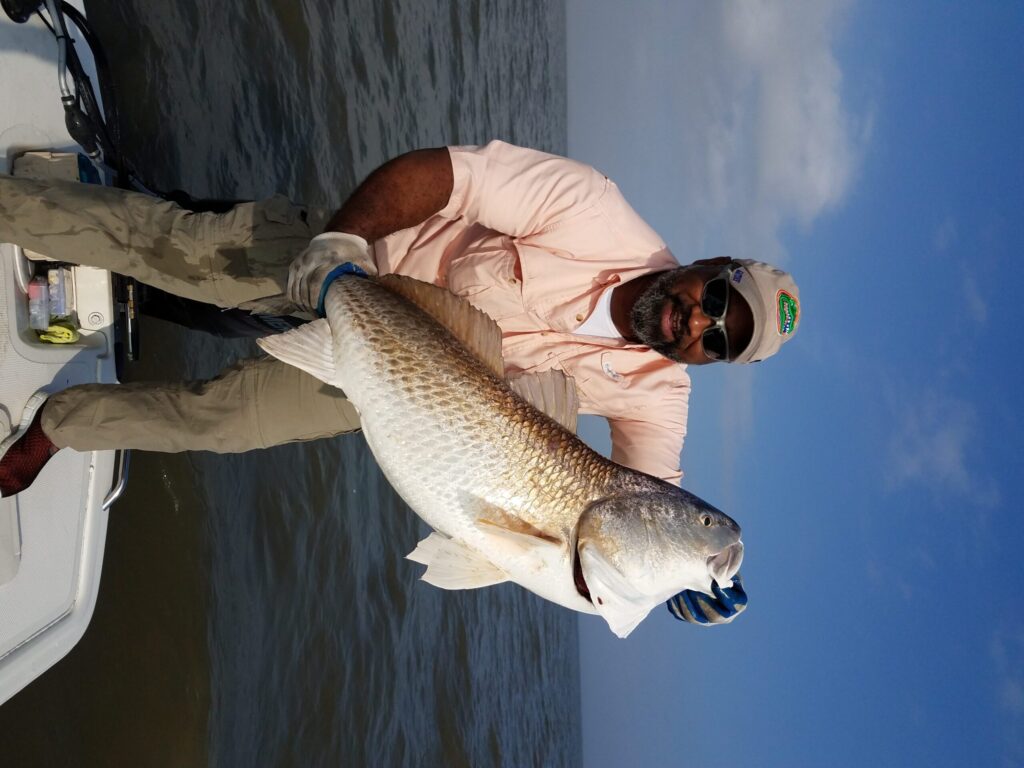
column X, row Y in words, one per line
column 26, row 458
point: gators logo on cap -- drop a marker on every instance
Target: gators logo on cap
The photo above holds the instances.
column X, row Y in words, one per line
column 789, row 312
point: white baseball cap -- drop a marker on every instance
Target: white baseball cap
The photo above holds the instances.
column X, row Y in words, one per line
column 775, row 303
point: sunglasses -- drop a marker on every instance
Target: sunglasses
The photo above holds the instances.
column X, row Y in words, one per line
column 714, row 303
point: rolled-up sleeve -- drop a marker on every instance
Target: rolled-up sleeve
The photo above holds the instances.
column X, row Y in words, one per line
column 519, row 191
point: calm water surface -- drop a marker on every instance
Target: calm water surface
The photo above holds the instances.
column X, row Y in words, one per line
column 256, row 609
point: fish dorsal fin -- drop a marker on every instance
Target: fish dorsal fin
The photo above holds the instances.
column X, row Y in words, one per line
column 475, row 329
column 309, row 347
column 552, row 392
column 451, row 565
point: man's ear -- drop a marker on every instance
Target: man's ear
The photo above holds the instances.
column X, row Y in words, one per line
column 718, row 261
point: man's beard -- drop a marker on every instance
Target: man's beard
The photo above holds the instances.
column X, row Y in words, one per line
column 645, row 318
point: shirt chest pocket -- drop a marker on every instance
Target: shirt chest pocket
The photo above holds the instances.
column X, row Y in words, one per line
column 625, row 382
column 610, row 368
column 606, row 382
column 619, row 367
column 490, row 280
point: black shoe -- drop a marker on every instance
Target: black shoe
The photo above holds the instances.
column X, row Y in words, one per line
column 24, row 454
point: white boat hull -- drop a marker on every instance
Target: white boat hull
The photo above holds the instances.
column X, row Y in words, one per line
column 52, row 535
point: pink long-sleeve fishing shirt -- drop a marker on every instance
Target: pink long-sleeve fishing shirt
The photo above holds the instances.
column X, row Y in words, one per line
column 533, row 240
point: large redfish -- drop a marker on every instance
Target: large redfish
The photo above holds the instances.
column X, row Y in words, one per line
column 512, row 493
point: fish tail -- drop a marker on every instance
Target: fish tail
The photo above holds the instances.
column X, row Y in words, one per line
column 309, row 348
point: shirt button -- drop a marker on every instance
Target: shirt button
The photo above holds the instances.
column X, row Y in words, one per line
column 513, row 280
column 580, row 318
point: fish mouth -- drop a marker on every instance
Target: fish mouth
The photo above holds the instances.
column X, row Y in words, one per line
column 726, row 563
column 577, row 577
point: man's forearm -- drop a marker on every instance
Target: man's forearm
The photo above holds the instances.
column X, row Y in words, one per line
column 401, row 193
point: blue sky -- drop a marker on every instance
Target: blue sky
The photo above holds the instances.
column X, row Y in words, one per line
column 875, row 150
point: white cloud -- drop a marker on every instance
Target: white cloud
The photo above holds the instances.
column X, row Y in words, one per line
column 737, row 420
column 1012, row 695
column 803, row 151
column 730, row 115
column 1006, row 651
column 764, row 107
column 721, row 122
column 976, row 305
column 945, row 234
column 889, row 580
column 945, row 240
column 898, row 577
column 932, row 438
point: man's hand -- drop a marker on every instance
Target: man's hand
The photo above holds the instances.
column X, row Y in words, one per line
column 402, row 193
column 325, row 252
column 698, row 608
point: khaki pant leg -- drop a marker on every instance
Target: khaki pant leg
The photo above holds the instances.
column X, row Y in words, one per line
column 224, row 259
column 256, row 403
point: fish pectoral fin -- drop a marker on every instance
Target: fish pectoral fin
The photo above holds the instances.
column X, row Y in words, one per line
column 474, row 329
column 309, row 347
column 552, row 392
column 616, row 601
column 451, row 565
column 518, row 539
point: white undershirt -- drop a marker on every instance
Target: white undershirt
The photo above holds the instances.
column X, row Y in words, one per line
column 600, row 321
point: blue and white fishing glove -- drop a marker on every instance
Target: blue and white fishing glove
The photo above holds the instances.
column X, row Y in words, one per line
column 698, row 608
column 325, row 252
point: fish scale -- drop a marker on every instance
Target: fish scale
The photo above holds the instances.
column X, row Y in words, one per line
column 400, row 369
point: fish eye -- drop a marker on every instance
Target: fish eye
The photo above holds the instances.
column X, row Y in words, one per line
column 706, row 519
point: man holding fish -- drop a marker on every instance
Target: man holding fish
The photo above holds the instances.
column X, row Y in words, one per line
column 547, row 247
